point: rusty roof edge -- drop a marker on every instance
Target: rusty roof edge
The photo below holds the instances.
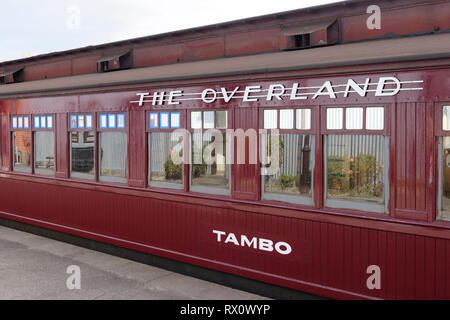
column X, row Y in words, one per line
column 182, row 31
column 143, row 75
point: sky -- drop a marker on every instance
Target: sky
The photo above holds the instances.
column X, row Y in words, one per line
column 31, row 27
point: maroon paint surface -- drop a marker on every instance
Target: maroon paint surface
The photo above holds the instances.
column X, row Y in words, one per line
column 331, row 248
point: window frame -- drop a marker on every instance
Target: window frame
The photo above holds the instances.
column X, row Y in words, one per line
column 93, row 129
column 325, row 133
column 99, row 129
column 11, row 136
column 148, row 131
column 35, row 129
column 230, row 125
column 312, row 131
column 363, row 131
column 439, row 134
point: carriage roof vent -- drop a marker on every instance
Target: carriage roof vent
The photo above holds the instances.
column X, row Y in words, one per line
column 11, row 76
column 114, row 61
column 313, row 34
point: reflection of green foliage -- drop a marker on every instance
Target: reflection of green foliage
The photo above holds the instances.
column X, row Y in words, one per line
column 277, row 143
column 172, row 171
column 360, row 178
column 286, row 181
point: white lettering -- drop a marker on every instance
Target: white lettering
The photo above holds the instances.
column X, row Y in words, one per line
column 141, row 98
column 174, row 94
column 205, row 95
column 265, row 244
column 294, row 93
column 329, row 88
column 227, row 97
column 245, row 241
column 352, row 84
column 231, row 238
column 279, row 245
column 219, row 234
column 158, row 97
column 249, row 90
column 272, row 94
column 380, row 87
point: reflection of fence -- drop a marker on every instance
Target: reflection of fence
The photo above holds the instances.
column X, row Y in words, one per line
column 353, row 145
column 292, row 155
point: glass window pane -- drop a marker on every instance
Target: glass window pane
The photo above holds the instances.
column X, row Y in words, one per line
column 165, row 164
column 221, row 120
column 446, row 118
column 196, row 120
column 303, row 117
column 287, row 119
column 113, row 156
column 44, row 152
column 375, row 118
column 164, row 120
column 209, row 164
column 355, row 167
column 295, row 161
column 354, row 118
column 153, row 120
column 208, row 119
column 175, row 120
column 82, row 163
column 270, row 119
column 334, row 118
column 445, row 176
column 21, row 141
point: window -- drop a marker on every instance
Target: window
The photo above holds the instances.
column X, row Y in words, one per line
column 112, row 147
column 288, row 156
column 82, row 146
column 21, row 143
column 44, row 145
column 444, row 166
column 356, row 161
column 210, row 167
column 165, row 150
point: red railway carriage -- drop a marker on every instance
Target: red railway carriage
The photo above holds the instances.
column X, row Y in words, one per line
column 320, row 164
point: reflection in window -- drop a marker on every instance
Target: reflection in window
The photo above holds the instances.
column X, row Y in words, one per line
column 208, row 119
column 355, row 168
column 21, row 141
column 196, row 120
column 303, row 119
column 82, row 163
column 445, row 177
column 113, row 156
column 354, row 118
column 296, row 164
column 163, row 170
column 270, row 119
column 446, row 118
column 334, row 118
column 221, row 120
column 375, row 118
column 44, row 152
column 287, row 119
column 209, row 167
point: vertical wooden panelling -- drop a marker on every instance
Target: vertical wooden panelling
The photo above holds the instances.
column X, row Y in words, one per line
column 137, row 148
column 411, row 162
column 247, row 186
column 61, row 146
column 6, row 142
